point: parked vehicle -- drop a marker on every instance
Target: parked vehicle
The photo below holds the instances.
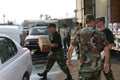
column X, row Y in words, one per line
column 25, row 29
column 31, row 41
column 15, row 61
column 14, row 32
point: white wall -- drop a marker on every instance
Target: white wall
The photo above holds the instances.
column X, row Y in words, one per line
column 102, row 10
column 78, row 8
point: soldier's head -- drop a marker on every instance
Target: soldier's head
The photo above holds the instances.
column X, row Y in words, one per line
column 90, row 20
column 100, row 22
column 77, row 23
column 80, row 24
column 52, row 28
column 65, row 25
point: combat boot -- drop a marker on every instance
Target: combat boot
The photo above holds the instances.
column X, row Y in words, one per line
column 69, row 77
column 44, row 75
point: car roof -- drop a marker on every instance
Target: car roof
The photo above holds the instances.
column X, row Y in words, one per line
column 11, row 26
column 10, row 30
column 40, row 27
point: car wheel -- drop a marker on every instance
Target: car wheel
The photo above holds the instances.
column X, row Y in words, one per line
column 26, row 76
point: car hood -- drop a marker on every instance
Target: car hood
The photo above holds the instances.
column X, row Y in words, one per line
column 34, row 36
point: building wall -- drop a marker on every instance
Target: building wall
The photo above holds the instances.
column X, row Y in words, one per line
column 83, row 8
column 78, row 8
column 115, row 11
column 101, row 8
column 88, row 6
column 110, row 9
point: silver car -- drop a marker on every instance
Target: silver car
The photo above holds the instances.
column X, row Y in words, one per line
column 15, row 61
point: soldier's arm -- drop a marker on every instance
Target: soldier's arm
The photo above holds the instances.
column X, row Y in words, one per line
column 107, row 52
column 110, row 39
column 75, row 31
column 74, row 42
column 53, row 45
column 107, row 56
column 69, row 54
column 106, row 63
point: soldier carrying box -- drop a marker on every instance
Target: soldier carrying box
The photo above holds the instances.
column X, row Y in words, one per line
column 56, row 54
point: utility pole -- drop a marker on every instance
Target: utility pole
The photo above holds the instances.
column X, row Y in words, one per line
column 67, row 15
column 4, row 18
column 76, row 14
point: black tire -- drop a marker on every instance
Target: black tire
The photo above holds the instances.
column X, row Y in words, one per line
column 26, row 76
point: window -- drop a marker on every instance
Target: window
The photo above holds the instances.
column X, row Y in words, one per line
column 39, row 31
column 7, row 49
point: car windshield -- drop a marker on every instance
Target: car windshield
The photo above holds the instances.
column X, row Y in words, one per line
column 39, row 31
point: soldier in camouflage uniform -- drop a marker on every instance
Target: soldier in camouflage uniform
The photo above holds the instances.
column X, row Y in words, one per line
column 92, row 42
column 100, row 23
column 56, row 55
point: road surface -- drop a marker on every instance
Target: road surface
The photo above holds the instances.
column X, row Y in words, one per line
column 57, row 74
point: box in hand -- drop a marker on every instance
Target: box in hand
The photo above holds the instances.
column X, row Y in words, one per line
column 44, row 43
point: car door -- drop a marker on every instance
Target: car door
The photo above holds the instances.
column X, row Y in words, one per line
column 8, row 67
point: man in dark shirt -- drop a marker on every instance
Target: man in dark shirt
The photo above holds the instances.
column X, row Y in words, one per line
column 56, row 54
column 100, row 23
column 109, row 35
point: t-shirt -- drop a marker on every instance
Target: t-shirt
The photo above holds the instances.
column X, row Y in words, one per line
column 56, row 38
column 109, row 35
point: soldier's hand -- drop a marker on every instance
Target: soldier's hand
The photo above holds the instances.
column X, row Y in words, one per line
column 46, row 47
column 106, row 68
column 53, row 45
column 70, row 65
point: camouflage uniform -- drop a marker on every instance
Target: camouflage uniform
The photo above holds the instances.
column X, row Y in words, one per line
column 91, row 43
column 60, row 58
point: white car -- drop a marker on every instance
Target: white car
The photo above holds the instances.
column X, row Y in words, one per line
column 13, row 33
column 15, row 61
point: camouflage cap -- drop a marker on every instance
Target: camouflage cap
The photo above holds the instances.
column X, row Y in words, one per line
column 100, row 19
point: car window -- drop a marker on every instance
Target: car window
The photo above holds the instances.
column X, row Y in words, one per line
column 7, row 49
column 39, row 31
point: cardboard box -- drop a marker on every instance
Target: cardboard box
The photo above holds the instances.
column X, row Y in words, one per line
column 44, row 43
